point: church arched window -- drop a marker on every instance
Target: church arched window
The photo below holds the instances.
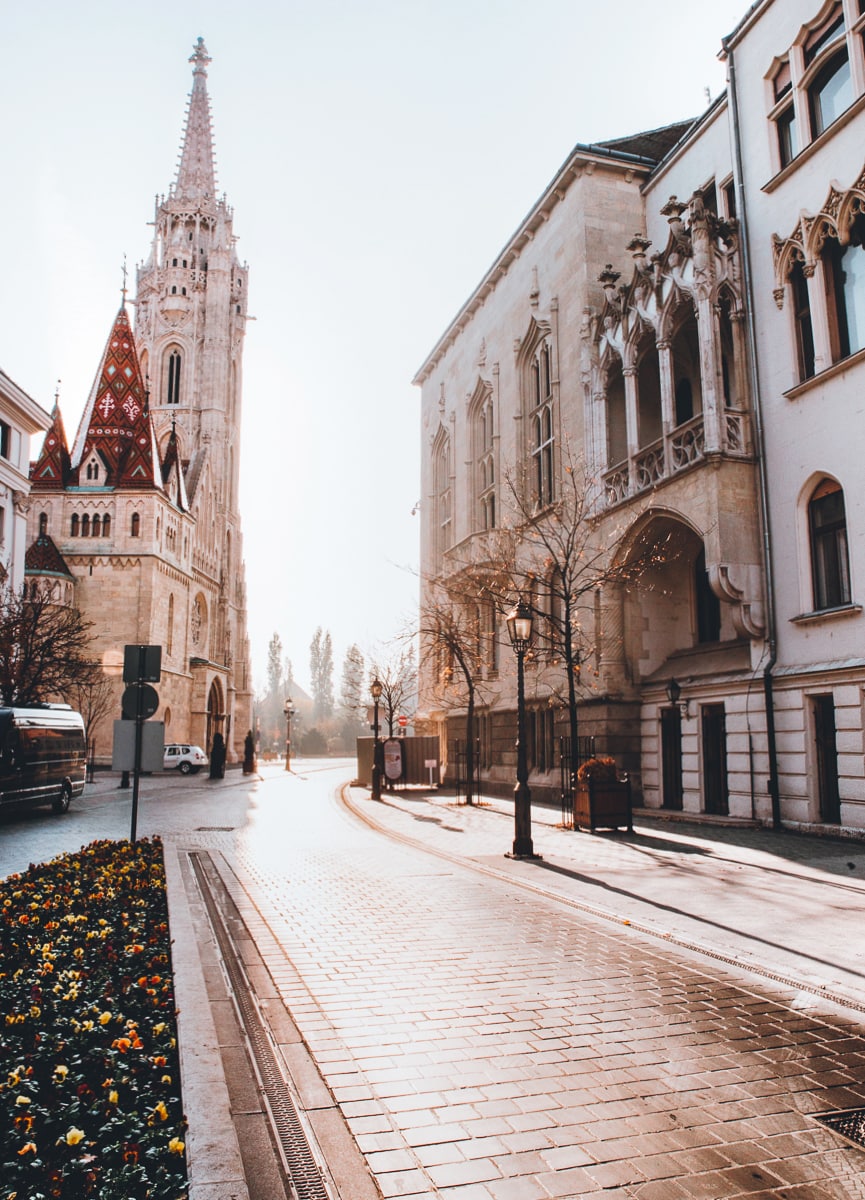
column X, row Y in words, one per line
column 169, row 637
column 85, row 525
column 106, row 525
column 135, row 525
column 172, row 391
column 96, row 528
column 43, row 523
column 73, row 526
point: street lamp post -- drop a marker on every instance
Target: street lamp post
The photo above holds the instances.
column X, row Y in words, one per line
column 519, row 622
column 288, row 709
column 376, row 689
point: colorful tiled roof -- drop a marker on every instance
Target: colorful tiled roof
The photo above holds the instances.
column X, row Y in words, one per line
column 43, row 558
column 51, row 468
column 116, row 422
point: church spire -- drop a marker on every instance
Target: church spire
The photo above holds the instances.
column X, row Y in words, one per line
column 196, row 176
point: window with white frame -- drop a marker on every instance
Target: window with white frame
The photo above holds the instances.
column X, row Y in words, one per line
column 815, row 81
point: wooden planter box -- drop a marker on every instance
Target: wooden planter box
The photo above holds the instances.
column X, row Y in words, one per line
column 605, row 804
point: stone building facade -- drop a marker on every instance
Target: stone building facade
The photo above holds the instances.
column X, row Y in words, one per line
column 142, row 511
column 21, row 418
column 632, row 325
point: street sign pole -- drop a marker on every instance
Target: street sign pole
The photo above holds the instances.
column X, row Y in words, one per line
column 139, row 706
column 140, row 663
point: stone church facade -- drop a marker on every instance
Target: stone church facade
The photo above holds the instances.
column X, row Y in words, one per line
column 138, row 520
column 667, row 316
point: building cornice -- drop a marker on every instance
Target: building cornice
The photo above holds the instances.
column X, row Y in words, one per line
column 582, row 159
column 32, row 415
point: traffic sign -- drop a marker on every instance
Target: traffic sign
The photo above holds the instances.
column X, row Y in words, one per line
column 402, row 722
column 142, row 664
column 139, row 700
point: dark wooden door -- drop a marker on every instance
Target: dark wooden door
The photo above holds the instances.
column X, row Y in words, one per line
column 671, row 757
column 714, row 727
column 827, row 759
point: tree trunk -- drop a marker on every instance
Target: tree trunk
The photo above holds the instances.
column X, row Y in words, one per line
column 470, row 747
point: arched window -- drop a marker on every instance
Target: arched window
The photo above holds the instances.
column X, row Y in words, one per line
column 728, row 352
column 485, row 467
column 73, row 526
column 844, row 272
column 802, row 321
column 135, row 525
column 85, row 525
column 92, row 472
column 617, row 421
column 106, row 525
column 96, row 528
column 649, row 393
column 830, row 568
column 541, row 431
column 43, row 523
column 687, row 385
column 172, row 390
column 442, row 486
column 169, row 637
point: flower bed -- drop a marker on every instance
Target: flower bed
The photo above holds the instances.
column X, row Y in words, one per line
column 89, row 1079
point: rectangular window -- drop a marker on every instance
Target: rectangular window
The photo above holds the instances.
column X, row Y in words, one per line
column 729, row 192
column 788, row 140
column 5, row 440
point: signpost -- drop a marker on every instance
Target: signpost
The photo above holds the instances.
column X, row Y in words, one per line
column 142, row 665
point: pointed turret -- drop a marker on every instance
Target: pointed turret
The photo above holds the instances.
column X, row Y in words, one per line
column 114, row 443
column 51, row 469
column 196, row 177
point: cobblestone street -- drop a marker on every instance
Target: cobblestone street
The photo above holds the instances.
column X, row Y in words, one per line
column 488, row 1036
column 489, row 1043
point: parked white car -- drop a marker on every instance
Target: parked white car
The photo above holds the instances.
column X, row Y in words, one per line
column 188, row 760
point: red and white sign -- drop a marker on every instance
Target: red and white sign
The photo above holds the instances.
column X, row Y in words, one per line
column 402, row 722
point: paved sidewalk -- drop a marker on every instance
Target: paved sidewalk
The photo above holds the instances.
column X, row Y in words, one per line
column 786, row 905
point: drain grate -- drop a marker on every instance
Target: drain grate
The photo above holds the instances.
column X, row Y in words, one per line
column 849, row 1123
column 298, row 1159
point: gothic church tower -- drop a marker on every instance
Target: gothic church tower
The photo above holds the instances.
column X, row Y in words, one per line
column 143, row 512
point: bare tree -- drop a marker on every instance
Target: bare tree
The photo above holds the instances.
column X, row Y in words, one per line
column 93, row 696
column 452, row 641
column 45, row 650
column 559, row 562
column 398, row 678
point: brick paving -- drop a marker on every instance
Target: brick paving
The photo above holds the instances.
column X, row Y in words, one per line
column 488, row 1043
column 487, row 1038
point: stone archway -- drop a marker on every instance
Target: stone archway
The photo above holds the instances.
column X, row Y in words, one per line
column 215, row 712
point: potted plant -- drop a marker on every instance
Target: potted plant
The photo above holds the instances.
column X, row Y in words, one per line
column 601, row 799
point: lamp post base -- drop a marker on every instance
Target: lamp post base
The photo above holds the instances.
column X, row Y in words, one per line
column 524, row 854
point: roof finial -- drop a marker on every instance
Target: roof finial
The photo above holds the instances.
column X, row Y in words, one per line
column 57, row 392
column 200, row 57
column 123, row 289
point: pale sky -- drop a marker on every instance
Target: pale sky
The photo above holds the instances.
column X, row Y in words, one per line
column 377, row 155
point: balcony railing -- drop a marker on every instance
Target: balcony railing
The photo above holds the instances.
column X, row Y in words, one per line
column 670, row 455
